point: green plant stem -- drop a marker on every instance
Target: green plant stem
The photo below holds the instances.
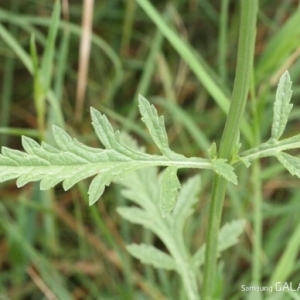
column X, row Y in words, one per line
column 222, row 43
column 229, row 137
column 271, row 148
column 196, row 63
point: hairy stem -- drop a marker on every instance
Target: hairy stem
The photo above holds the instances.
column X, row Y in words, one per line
column 271, row 148
column 229, row 137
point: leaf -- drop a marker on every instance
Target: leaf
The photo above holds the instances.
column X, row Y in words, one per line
column 106, row 134
column 71, row 161
column 142, row 188
column 186, row 200
column 282, row 106
column 229, row 233
column 212, row 151
column 225, row 170
column 151, row 255
column 236, row 157
column 245, row 161
column 97, row 186
column 291, row 163
column 138, row 216
column 155, row 125
column 169, row 190
column 228, row 237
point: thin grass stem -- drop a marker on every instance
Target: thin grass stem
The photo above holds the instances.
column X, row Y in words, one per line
column 229, row 137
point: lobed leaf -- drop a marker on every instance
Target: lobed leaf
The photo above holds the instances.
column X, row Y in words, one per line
column 151, row 255
column 70, row 164
column 71, row 161
column 282, row 106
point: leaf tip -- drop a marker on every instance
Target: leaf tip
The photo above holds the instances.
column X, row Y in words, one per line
column 56, row 129
column 92, row 110
column 212, row 151
column 142, row 99
column 286, row 75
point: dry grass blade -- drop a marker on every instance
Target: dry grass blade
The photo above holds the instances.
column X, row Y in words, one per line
column 84, row 55
column 41, row 284
column 65, row 9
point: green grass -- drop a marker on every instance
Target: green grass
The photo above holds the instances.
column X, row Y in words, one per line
column 182, row 57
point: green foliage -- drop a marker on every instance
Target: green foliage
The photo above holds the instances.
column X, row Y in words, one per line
column 291, row 163
column 150, row 182
column 163, row 209
column 144, row 187
column 169, row 190
column 151, row 255
column 228, row 237
column 274, row 146
column 282, row 106
column 71, row 161
column 155, row 125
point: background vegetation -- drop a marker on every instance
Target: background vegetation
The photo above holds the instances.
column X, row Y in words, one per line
column 52, row 244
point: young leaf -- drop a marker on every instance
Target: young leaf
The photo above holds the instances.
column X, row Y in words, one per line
column 151, row 255
column 236, row 157
column 291, row 163
column 282, row 106
column 228, row 237
column 155, row 125
column 225, row 170
column 169, row 190
column 212, row 151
